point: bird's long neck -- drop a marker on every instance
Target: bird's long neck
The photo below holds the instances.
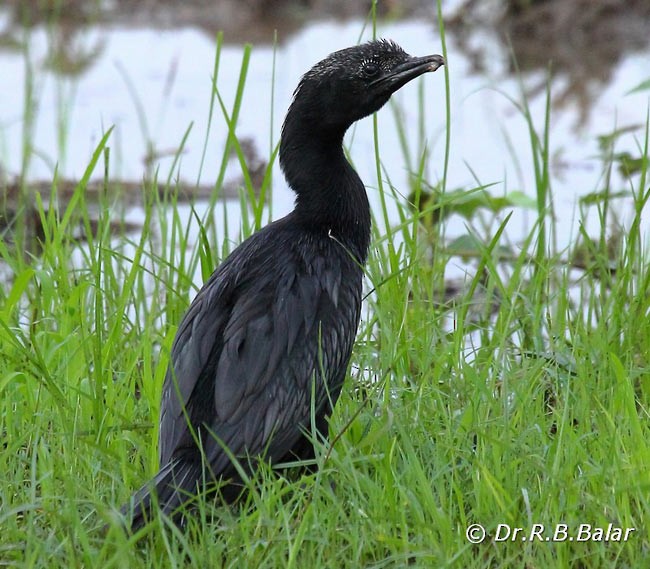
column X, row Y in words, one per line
column 330, row 194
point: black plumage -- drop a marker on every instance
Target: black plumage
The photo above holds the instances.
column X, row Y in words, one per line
column 264, row 348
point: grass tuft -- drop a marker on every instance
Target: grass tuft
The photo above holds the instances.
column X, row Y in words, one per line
column 519, row 398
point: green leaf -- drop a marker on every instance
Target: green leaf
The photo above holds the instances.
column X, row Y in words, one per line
column 643, row 86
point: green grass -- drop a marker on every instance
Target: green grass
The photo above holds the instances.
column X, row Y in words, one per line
column 531, row 408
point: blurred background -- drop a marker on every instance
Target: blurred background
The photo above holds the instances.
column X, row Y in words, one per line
column 72, row 69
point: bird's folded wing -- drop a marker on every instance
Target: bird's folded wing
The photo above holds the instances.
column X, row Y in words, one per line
column 247, row 368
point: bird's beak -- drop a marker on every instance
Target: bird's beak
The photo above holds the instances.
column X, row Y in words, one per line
column 410, row 69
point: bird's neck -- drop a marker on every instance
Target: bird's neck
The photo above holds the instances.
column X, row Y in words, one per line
column 330, row 194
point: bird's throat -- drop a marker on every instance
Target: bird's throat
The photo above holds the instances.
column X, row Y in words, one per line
column 330, row 194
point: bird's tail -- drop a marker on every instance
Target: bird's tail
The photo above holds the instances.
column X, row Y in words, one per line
column 175, row 484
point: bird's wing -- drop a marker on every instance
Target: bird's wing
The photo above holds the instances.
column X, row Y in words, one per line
column 198, row 338
column 276, row 344
column 245, row 357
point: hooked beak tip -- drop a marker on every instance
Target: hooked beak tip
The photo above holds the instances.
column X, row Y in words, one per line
column 436, row 62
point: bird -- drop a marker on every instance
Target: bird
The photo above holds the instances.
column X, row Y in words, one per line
column 259, row 358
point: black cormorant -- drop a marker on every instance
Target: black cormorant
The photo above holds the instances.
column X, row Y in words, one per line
column 263, row 350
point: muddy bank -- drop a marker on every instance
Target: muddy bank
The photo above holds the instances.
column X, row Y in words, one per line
column 239, row 20
column 580, row 41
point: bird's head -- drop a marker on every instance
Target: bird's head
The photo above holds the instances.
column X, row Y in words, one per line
column 352, row 83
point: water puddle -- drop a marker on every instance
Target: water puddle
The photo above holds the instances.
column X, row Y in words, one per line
column 153, row 86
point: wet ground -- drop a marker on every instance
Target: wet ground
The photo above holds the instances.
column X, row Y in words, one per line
column 71, row 72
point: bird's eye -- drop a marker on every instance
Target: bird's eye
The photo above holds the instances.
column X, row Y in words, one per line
column 370, row 69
